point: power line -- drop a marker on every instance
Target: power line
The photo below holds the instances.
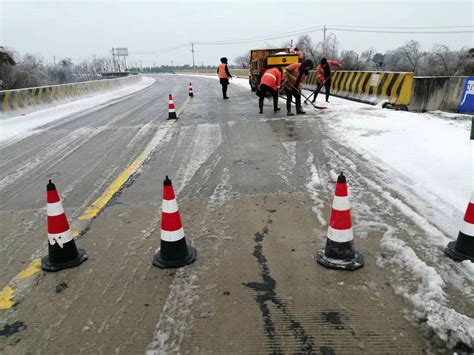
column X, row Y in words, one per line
column 343, row 28
column 262, row 38
column 162, row 50
column 406, row 32
column 405, row 27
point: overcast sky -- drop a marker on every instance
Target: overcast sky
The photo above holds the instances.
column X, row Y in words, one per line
column 80, row 29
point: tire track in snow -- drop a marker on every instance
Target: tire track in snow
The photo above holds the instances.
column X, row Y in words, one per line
column 176, row 319
column 207, row 137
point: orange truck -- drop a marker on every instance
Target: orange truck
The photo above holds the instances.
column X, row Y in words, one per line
column 263, row 59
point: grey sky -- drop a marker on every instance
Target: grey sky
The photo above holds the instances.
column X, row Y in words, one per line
column 80, row 29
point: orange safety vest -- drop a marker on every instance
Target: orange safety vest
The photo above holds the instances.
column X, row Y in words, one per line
column 271, row 78
column 222, row 74
column 292, row 72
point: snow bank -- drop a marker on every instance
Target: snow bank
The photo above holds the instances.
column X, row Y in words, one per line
column 24, row 125
column 432, row 155
column 428, row 298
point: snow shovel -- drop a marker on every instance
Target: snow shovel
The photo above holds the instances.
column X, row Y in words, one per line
column 313, row 91
column 315, row 106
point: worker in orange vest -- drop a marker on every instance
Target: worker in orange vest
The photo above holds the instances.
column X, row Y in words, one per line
column 270, row 82
column 224, row 76
column 323, row 73
column 294, row 77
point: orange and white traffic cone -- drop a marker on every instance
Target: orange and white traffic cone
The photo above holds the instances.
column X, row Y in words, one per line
column 173, row 252
column 171, row 110
column 191, row 94
column 62, row 250
column 463, row 248
column 340, row 252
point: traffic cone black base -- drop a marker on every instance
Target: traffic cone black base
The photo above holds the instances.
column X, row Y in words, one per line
column 348, row 264
column 171, row 255
column 49, row 264
column 464, row 242
column 172, row 116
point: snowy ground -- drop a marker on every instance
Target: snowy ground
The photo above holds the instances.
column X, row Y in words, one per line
column 21, row 126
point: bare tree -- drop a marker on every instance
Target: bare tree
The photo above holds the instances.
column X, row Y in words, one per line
column 243, row 60
column 411, row 50
column 305, row 44
column 331, row 47
column 351, row 60
column 442, row 57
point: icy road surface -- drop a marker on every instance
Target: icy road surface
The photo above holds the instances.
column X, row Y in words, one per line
column 255, row 193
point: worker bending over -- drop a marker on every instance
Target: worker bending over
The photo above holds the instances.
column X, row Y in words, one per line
column 323, row 73
column 224, row 76
column 270, row 82
column 294, row 77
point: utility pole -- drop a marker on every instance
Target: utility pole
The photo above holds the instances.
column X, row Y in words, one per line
column 291, row 44
column 192, row 51
column 54, row 60
column 324, row 40
column 113, row 59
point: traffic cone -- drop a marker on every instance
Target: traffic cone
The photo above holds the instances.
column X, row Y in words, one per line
column 62, row 250
column 171, row 111
column 174, row 252
column 191, row 90
column 463, row 247
column 340, row 252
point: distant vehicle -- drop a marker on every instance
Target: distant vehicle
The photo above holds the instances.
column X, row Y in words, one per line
column 263, row 59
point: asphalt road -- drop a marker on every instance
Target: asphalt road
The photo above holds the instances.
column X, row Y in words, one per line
column 254, row 193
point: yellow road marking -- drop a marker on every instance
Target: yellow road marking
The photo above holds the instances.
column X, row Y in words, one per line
column 8, row 292
column 32, row 269
column 6, row 295
column 98, row 205
column 6, row 298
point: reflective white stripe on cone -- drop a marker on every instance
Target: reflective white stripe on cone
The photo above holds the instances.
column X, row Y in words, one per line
column 60, row 238
column 174, row 236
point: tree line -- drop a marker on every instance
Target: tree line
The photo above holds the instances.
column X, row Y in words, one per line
column 439, row 61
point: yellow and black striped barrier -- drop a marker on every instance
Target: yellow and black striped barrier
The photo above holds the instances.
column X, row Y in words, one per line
column 12, row 100
column 369, row 86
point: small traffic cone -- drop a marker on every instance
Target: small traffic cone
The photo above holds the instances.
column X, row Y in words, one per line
column 171, row 111
column 62, row 250
column 463, row 248
column 191, row 90
column 340, row 252
column 174, row 252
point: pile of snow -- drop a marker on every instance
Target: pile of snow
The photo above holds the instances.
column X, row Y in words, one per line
column 428, row 299
column 23, row 125
column 432, row 155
